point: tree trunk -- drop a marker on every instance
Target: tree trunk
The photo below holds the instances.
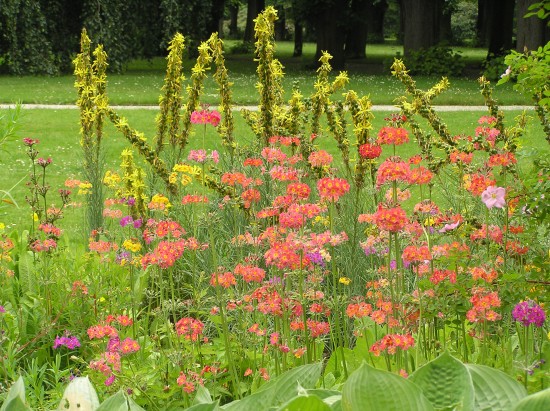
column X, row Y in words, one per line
column 445, row 33
column 357, row 30
column 501, row 26
column 330, row 28
column 233, row 15
column 298, row 38
column 375, row 20
column 421, row 24
column 280, row 25
column 216, row 16
column 482, row 24
column 531, row 32
column 255, row 7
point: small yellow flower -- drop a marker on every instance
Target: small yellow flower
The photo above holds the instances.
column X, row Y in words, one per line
column 345, row 280
column 132, row 246
column 35, row 217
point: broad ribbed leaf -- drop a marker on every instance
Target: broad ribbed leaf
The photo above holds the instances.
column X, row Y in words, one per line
column 15, row 404
column 446, row 382
column 79, row 395
column 369, row 389
column 301, row 403
column 213, row 406
column 322, row 393
column 202, row 396
column 280, row 389
column 535, row 402
column 334, row 402
column 494, row 390
column 116, row 402
column 15, row 400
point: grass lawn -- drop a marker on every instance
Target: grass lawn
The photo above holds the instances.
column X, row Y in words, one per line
column 141, row 83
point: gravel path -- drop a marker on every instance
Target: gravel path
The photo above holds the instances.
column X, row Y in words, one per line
column 255, row 108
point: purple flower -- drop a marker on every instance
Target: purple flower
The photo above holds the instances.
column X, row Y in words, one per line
column 124, row 221
column 71, row 342
column 2, row 309
column 138, row 223
column 494, row 197
column 109, row 381
column 316, row 258
column 529, row 312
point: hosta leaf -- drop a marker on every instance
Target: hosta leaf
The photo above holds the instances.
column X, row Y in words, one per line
column 15, row 400
column 15, row 404
column 202, row 396
column 119, row 402
column 280, row 389
column 79, row 395
column 446, row 382
column 213, row 406
column 371, row 389
column 535, row 402
column 301, row 403
column 494, row 390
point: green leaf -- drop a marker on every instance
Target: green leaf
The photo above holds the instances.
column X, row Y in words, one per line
column 535, row 402
column 371, row 389
column 494, row 390
column 322, row 393
column 15, row 404
column 202, row 396
column 213, row 406
column 280, row 389
column 305, row 402
column 15, row 399
column 334, row 402
column 118, row 402
column 79, row 394
column 446, row 382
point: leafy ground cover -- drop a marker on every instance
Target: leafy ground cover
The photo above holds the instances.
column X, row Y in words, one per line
column 306, row 256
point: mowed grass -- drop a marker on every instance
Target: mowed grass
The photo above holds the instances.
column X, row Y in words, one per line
column 142, row 81
column 58, row 132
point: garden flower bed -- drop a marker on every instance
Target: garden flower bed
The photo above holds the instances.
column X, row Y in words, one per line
column 274, row 274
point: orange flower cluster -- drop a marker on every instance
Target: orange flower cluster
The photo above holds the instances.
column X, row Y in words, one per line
column 332, row 189
column 441, row 275
column 319, row 158
column 413, row 253
column 192, row 199
column 461, row 157
column 284, row 141
column 224, row 280
column 390, row 219
column 393, row 135
column 483, row 301
column 250, row 196
column 495, row 234
column 250, row 273
column 298, row 190
column 359, row 310
column 502, row 159
column 190, row 328
column 477, row 183
column 370, row 151
column 393, row 169
column 232, row 179
column 391, row 342
column 420, row 175
column 487, row 274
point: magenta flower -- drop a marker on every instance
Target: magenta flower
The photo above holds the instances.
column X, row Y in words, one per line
column 529, row 312
column 494, row 197
column 449, row 227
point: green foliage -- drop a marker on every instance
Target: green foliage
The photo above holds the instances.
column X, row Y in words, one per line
column 24, row 42
column 463, row 22
column 446, row 383
column 435, row 61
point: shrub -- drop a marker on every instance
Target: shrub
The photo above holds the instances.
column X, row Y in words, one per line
column 435, row 61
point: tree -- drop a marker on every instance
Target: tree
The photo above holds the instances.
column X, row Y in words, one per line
column 254, row 8
column 356, row 38
column 501, row 26
column 532, row 32
column 24, row 38
column 330, row 19
column 421, row 19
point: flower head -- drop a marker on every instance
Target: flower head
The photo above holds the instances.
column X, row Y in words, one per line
column 529, row 312
column 494, row 197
